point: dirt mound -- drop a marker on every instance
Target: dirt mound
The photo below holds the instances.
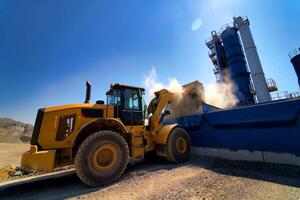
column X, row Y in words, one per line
column 12, row 131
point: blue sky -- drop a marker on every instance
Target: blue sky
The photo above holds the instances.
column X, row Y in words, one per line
column 49, row 48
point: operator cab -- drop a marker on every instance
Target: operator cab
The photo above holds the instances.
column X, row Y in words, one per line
column 129, row 104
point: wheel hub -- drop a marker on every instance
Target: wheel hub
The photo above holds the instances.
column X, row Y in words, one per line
column 104, row 157
column 181, row 145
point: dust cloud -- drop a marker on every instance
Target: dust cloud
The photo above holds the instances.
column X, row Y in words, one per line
column 220, row 95
column 152, row 85
column 189, row 98
column 190, row 101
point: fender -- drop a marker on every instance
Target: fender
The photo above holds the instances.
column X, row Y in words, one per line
column 163, row 134
column 162, row 139
column 97, row 125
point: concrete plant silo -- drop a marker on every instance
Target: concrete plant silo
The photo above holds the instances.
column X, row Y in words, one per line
column 236, row 65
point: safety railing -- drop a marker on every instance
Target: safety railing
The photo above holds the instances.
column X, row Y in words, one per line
column 271, row 84
column 294, row 94
column 284, row 95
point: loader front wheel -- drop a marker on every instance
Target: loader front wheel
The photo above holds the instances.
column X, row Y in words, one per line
column 101, row 158
column 178, row 146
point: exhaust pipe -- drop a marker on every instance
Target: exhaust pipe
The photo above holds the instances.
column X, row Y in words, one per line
column 88, row 92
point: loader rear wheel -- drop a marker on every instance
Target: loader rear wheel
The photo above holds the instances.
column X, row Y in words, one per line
column 178, row 146
column 101, row 158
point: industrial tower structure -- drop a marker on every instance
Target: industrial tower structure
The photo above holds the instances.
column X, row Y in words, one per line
column 257, row 73
column 229, row 51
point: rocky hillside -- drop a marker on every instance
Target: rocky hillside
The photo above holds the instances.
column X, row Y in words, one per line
column 12, row 131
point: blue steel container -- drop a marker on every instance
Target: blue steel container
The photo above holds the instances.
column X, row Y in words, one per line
column 295, row 60
column 269, row 127
column 236, row 65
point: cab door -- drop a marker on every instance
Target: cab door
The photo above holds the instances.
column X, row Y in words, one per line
column 131, row 112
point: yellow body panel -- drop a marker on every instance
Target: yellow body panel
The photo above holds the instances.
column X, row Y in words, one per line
column 138, row 130
column 38, row 160
column 47, row 135
column 162, row 136
column 137, row 147
column 150, row 142
column 137, row 140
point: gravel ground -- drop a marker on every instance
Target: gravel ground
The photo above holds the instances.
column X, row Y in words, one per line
column 200, row 178
column 208, row 178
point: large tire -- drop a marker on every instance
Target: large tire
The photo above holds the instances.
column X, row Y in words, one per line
column 178, row 146
column 101, row 158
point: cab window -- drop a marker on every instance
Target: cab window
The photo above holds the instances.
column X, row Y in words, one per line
column 135, row 100
column 114, row 98
column 131, row 99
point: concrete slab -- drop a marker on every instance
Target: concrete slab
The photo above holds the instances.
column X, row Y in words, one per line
column 282, row 158
column 27, row 180
column 269, row 157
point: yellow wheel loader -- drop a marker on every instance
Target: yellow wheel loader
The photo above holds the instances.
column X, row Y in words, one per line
column 100, row 139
